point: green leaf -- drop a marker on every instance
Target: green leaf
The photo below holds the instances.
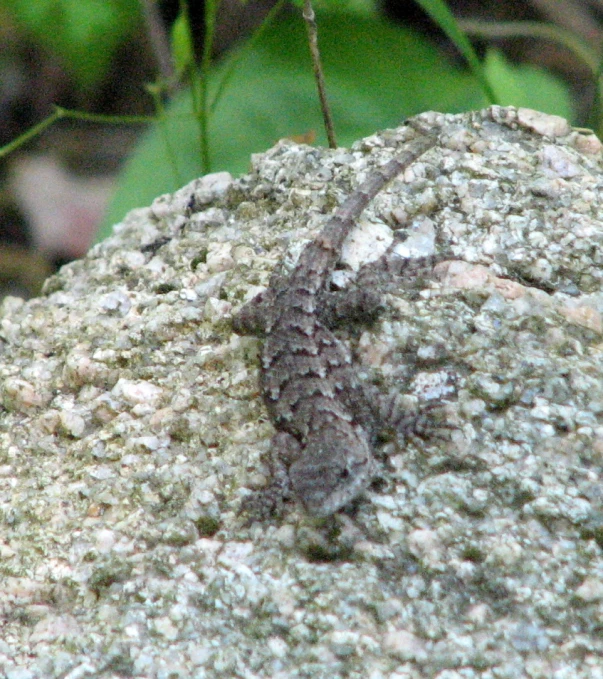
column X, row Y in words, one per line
column 183, row 52
column 364, row 7
column 377, row 75
column 439, row 12
column 83, row 33
column 526, row 85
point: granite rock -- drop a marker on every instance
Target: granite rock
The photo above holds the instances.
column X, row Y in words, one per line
column 132, row 429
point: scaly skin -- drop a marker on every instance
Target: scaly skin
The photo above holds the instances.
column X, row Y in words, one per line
column 326, row 425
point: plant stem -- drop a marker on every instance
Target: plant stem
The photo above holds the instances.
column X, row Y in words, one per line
column 59, row 113
column 211, row 10
column 310, row 19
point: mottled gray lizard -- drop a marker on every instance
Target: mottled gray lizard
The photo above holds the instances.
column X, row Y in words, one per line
column 326, row 423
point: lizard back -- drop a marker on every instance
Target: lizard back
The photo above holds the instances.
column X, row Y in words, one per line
column 325, row 423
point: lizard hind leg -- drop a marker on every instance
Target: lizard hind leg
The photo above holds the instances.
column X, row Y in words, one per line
column 406, row 418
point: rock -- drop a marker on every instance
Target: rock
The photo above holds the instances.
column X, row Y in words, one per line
column 132, row 429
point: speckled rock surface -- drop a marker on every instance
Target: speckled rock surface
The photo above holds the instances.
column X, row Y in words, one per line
column 131, row 430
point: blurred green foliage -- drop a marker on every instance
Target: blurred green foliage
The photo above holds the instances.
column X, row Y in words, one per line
column 377, row 75
column 84, row 34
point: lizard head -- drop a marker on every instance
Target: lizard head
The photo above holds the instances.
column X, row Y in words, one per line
column 336, row 466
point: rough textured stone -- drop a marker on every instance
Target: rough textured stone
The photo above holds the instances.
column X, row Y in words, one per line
column 131, row 429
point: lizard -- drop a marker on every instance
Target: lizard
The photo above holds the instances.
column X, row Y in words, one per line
column 326, row 424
